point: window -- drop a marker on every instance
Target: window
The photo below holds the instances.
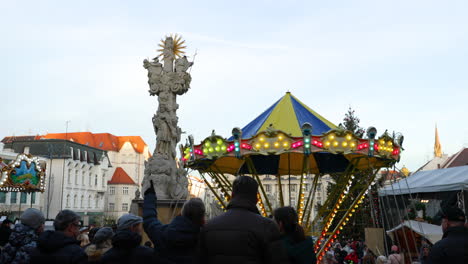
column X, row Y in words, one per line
column 111, row 190
column 69, row 176
column 82, row 178
column 68, row 201
column 267, row 187
column 307, row 187
column 125, row 190
column 90, row 179
column 75, row 201
column 23, row 197
column 33, row 198
column 125, row 207
column 82, row 201
column 111, row 206
column 95, row 180
column 293, row 187
column 89, row 201
column 2, row 197
column 103, row 179
column 97, row 201
column 76, row 177
column 319, row 187
column 13, row 197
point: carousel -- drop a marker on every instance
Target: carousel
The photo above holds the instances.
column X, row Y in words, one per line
column 290, row 139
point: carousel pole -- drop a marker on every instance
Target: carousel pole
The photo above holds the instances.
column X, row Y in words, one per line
column 213, row 191
column 254, row 173
column 280, row 190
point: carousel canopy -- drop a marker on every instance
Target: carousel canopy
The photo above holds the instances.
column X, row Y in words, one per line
column 441, row 180
column 288, row 114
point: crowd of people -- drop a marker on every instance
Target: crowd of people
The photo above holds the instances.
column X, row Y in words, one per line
column 240, row 235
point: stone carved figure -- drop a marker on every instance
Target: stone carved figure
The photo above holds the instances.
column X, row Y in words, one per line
column 166, row 82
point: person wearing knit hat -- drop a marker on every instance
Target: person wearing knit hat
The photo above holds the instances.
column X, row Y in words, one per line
column 23, row 239
column 130, row 221
column 454, row 244
column 102, row 242
column 126, row 242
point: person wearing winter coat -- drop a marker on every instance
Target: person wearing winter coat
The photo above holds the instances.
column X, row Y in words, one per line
column 102, row 242
column 242, row 235
column 300, row 248
column 126, row 248
column 453, row 248
column 395, row 257
column 24, row 237
column 60, row 246
column 5, row 232
column 177, row 241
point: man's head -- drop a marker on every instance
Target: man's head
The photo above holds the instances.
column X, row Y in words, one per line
column 452, row 216
column 130, row 222
column 194, row 209
column 33, row 218
column 68, row 222
column 7, row 223
column 245, row 187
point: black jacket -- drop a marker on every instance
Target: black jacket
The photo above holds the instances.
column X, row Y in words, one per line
column 56, row 247
column 5, row 233
column 453, row 248
column 300, row 253
column 173, row 243
column 126, row 249
column 241, row 236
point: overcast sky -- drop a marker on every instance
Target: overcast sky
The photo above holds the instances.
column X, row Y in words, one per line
column 402, row 65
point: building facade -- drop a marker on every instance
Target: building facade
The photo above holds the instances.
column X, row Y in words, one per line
column 76, row 178
column 127, row 154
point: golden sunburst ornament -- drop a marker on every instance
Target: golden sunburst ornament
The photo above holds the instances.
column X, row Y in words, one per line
column 177, row 45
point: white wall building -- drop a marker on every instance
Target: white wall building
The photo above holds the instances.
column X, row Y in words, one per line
column 76, row 178
column 127, row 154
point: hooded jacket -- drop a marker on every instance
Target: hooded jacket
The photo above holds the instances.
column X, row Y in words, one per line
column 126, row 249
column 300, row 253
column 56, row 247
column 453, row 248
column 175, row 242
column 21, row 243
column 241, row 235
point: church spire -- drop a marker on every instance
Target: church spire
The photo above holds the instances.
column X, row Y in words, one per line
column 437, row 146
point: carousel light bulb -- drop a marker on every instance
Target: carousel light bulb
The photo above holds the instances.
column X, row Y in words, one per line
column 285, row 144
column 331, row 137
column 348, row 137
column 344, row 144
column 207, row 144
column 211, row 149
column 257, row 146
column 262, row 139
column 266, row 145
column 335, row 143
column 217, row 148
column 327, row 143
column 277, row 144
column 353, row 144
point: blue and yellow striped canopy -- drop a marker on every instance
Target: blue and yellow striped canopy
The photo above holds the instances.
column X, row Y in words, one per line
column 288, row 114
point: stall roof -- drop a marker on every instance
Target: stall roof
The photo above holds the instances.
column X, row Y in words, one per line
column 432, row 232
column 441, row 180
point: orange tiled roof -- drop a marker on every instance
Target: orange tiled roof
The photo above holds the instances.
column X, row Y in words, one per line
column 104, row 141
column 120, row 177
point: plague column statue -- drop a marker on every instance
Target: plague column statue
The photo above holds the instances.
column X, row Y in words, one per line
column 166, row 82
